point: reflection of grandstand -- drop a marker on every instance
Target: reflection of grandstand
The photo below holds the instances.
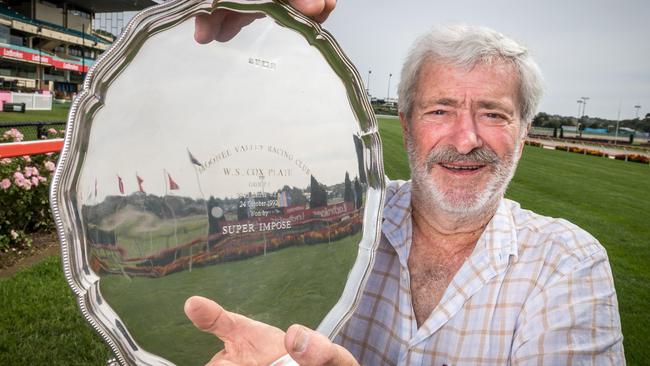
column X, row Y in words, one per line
column 308, row 226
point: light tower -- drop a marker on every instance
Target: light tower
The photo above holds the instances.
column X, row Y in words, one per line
column 388, row 92
column 584, row 106
column 368, row 82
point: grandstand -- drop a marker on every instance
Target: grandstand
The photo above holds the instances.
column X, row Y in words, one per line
column 48, row 46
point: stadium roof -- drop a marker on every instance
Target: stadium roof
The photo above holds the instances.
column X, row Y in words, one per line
column 108, row 6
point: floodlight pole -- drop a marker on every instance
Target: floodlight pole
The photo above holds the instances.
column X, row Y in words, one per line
column 584, row 105
column 368, row 83
column 618, row 121
column 584, row 110
column 388, row 92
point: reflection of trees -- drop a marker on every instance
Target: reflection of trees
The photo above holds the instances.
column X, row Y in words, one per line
column 348, row 196
column 296, row 195
column 161, row 206
column 224, row 248
column 318, row 192
column 358, row 191
column 118, row 227
column 214, row 223
column 242, row 209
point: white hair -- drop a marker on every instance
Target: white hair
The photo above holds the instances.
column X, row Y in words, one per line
column 466, row 46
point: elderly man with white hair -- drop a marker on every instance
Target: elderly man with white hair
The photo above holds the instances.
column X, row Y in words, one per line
column 462, row 275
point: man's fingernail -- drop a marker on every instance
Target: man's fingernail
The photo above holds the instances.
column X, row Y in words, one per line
column 300, row 342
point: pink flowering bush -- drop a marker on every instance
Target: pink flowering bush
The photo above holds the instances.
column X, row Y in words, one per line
column 24, row 195
column 12, row 135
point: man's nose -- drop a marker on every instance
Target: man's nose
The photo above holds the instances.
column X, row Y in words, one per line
column 465, row 133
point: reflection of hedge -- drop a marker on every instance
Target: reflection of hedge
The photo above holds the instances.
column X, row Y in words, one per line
column 221, row 248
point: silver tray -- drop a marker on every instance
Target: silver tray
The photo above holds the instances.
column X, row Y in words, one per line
column 247, row 170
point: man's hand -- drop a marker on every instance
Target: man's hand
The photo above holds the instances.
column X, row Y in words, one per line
column 222, row 25
column 249, row 342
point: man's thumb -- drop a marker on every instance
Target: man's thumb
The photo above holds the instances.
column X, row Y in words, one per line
column 310, row 348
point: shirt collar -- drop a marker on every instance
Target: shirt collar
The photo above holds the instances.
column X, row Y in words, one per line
column 397, row 224
column 498, row 241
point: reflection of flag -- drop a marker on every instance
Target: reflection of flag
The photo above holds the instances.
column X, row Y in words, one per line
column 140, row 181
column 120, row 184
column 172, row 185
column 194, row 160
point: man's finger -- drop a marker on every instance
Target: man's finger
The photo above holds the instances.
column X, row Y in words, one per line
column 210, row 317
column 233, row 23
column 327, row 9
column 206, row 26
column 310, row 348
column 310, row 8
column 319, row 10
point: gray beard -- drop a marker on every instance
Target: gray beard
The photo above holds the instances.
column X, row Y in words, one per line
column 432, row 196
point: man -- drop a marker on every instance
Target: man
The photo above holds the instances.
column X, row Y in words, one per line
column 462, row 276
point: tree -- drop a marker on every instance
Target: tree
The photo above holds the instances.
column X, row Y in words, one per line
column 541, row 119
column 348, row 195
column 242, row 209
column 358, row 193
column 318, row 194
column 215, row 217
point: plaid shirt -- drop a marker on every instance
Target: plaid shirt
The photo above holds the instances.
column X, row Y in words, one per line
column 535, row 291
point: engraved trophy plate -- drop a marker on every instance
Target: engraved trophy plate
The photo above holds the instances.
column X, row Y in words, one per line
column 247, row 170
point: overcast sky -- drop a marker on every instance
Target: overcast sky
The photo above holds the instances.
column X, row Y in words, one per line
column 594, row 48
column 586, row 48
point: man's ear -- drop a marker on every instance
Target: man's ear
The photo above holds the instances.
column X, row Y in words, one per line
column 405, row 127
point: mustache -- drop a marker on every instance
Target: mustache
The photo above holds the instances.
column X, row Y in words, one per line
column 448, row 154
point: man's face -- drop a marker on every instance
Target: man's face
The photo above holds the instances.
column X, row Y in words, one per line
column 464, row 137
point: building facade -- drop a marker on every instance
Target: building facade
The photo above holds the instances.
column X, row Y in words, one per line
column 48, row 46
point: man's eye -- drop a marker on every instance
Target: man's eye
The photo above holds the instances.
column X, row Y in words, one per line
column 438, row 112
column 494, row 115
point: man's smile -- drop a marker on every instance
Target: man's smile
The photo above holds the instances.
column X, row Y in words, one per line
column 463, row 168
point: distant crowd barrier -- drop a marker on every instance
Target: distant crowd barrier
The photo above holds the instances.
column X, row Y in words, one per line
column 623, row 137
column 33, row 101
column 13, row 149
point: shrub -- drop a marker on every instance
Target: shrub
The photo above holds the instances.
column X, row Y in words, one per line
column 595, row 152
column 24, row 190
column 638, row 158
column 533, row 143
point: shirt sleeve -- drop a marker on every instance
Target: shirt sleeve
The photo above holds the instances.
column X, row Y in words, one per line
column 573, row 319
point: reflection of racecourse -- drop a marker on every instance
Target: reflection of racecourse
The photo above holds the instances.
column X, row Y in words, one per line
column 307, row 226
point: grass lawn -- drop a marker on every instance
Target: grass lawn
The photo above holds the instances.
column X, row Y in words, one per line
column 59, row 113
column 311, row 280
column 609, row 198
